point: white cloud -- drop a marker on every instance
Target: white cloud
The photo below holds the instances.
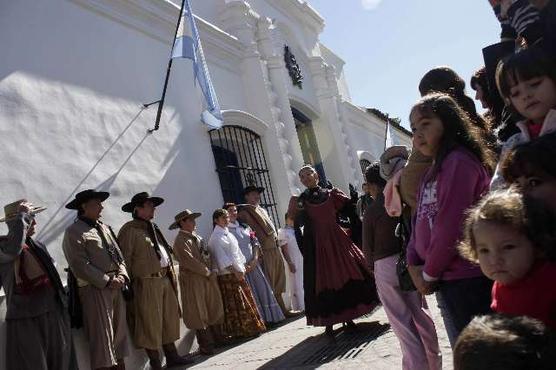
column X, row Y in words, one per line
column 370, row 4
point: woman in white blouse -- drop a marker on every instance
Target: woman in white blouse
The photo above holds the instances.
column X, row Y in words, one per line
column 241, row 317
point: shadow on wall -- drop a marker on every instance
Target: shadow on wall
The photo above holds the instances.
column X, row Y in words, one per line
column 52, row 229
column 189, row 182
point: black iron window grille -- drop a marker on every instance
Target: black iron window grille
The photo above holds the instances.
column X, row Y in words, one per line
column 364, row 163
column 241, row 161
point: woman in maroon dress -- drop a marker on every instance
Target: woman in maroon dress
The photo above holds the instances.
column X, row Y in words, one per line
column 338, row 286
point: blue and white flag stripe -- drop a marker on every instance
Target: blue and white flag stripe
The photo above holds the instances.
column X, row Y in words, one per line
column 188, row 45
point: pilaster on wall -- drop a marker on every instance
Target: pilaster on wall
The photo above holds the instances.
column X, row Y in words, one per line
column 264, row 96
column 340, row 159
column 281, row 109
column 356, row 176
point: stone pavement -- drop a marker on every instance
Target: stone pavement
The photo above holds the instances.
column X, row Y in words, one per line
column 295, row 345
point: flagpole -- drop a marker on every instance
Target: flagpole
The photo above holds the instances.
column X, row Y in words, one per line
column 161, row 101
column 386, row 131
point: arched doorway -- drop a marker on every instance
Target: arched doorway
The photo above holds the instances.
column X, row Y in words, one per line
column 308, row 143
column 241, row 161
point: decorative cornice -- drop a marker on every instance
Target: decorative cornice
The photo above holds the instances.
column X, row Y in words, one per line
column 327, row 53
column 157, row 20
column 302, row 11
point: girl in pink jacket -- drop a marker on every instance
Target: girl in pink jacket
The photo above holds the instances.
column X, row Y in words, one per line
column 459, row 176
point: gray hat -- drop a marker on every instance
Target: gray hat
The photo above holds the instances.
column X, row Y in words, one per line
column 393, row 160
column 182, row 216
column 11, row 210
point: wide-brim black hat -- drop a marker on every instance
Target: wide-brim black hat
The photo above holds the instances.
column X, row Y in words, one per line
column 86, row 195
column 251, row 188
column 140, row 199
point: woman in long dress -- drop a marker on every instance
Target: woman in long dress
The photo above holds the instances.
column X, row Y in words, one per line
column 262, row 292
column 338, row 286
column 241, row 317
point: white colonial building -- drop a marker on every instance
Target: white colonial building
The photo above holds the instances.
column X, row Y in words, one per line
column 74, row 75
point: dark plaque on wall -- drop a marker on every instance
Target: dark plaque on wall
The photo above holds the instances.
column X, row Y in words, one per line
column 293, row 67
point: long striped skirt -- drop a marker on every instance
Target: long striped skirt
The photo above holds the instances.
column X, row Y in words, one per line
column 241, row 317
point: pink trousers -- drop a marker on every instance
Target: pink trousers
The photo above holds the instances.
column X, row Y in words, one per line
column 409, row 318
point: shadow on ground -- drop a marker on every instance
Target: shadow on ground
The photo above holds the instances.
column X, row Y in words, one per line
column 318, row 350
column 199, row 359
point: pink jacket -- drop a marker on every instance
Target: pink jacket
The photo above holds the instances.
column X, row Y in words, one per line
column 437, row 225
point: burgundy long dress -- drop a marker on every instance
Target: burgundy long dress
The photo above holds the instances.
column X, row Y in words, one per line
column 338, row 286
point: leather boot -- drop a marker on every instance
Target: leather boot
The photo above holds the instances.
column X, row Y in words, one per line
column 154, row 359
column 282, row 305
column 120, row 365
column 206, row 343
column 172, row 357
column 219, row 339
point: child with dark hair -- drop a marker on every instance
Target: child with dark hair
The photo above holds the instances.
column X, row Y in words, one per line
column 445, row 80
column 527, row 82
column 407, row 311
column 459, row 176
column 508, row 236
column 499, row 342
column 479, row 83
column 532, row 166
column 294, row 261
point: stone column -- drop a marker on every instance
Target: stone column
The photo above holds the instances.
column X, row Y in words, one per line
column 240, row 20
column 329, row 130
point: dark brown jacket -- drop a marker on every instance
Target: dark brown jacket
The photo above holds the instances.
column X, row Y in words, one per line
column 379, row 239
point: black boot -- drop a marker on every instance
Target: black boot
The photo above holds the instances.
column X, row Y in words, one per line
column 154, row 359
column 172, row 357
column 206, row 343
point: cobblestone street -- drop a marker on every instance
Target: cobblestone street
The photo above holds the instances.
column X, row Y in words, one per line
column 295, row 345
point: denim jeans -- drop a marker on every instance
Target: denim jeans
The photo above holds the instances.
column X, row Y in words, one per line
column 461, row 300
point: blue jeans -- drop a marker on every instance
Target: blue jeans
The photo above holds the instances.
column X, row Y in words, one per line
column 461, row 300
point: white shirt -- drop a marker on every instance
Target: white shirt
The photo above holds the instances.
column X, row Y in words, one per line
column 164, row 258
column 225, row 252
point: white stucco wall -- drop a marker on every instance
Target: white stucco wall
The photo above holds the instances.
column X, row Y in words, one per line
column 367, row 133
column 75, row 73
column 71, row 83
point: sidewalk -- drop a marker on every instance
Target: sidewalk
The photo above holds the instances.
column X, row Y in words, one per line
column 295, row 345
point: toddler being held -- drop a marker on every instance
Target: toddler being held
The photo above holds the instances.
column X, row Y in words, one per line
column 504, row 234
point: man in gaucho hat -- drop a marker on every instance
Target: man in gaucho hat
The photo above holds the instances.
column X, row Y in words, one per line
column 200, row 295
column 258, row 219
column 38, row 333
column 154, row 312
column 96, row 261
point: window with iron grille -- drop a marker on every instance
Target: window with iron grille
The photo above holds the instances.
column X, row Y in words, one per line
column 364, row 163
column 241, row 161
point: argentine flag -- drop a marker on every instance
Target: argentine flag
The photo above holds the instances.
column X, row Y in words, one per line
column 188, row 45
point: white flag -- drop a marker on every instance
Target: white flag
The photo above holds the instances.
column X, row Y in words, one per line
column 389, row 139
column 188, row 45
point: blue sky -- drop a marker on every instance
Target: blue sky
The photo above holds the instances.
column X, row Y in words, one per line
column 388, row 45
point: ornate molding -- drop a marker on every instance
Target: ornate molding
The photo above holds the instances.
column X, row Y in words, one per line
column 157, row 20
column 302, row 11
column 244, row 119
